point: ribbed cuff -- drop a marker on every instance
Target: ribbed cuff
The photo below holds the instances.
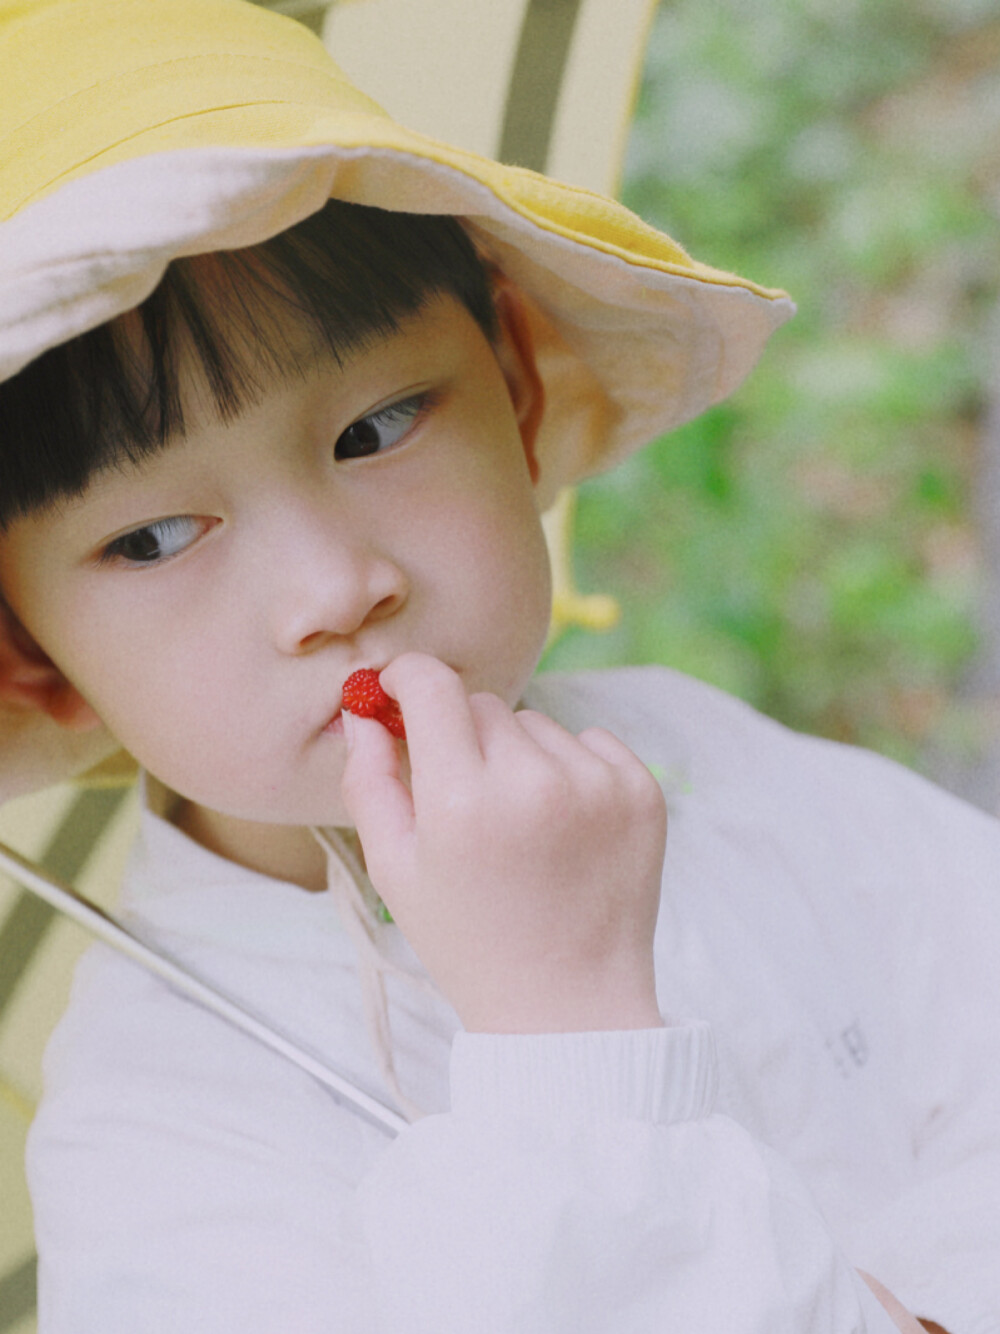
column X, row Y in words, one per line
column 650, row 1074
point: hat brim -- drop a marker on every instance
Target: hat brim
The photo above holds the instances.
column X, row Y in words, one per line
column 630, row 342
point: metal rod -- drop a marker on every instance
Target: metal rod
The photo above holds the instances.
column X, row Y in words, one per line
column 106, row 928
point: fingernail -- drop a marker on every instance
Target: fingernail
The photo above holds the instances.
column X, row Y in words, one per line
column 349, row 726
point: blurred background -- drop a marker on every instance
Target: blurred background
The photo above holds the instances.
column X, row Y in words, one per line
column 827, row 544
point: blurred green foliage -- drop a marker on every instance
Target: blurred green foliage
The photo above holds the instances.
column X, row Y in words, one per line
column 808, row 545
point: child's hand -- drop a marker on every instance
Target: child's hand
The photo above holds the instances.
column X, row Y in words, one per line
column 525, row 867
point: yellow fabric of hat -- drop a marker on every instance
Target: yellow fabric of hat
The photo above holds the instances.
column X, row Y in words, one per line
column 136, row 131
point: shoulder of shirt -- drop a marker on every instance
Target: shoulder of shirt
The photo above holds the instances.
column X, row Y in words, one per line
column 651, row 689
column 720, row 739
column 655, row 708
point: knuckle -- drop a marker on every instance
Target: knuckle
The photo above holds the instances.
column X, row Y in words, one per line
column 460, row 802
column 487, row 705
column 532, row 715
column 544, row 788
column 598, row 733
column 459, row 808
column 639, row 796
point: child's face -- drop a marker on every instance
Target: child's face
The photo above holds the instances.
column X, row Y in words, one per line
column 210, row 602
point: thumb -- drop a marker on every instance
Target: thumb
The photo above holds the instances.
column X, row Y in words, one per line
column 377, row 799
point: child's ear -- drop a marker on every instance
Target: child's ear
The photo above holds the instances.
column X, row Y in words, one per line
column 515, row 352
column 28, row 677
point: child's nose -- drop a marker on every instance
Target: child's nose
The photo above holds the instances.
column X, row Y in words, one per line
column 329, row 583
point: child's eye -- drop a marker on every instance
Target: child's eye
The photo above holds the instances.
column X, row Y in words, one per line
column 154, row 542
column 379, row 430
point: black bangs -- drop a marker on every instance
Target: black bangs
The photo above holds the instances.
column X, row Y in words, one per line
column 341, row 278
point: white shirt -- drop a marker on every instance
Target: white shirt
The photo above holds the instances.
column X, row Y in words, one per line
column 825, row 1096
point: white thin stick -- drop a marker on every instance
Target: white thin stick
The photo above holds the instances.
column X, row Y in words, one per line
column 106, row 928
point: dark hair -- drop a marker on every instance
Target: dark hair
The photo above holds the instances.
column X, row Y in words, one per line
column 348, row 273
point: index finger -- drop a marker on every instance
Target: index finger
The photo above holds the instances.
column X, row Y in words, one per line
column 441, row 734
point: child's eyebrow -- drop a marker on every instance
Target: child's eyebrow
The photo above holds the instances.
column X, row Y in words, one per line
column 129, row 458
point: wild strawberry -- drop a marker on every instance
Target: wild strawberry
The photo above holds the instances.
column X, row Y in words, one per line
column 363, row 696
column 392, row 721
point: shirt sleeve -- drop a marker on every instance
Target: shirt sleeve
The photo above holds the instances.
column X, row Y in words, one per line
column 583, row 1183
column 185, row 1178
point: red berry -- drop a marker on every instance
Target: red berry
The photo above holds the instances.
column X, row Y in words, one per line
column 363, row 696
column 363, row 693
column 392, row 721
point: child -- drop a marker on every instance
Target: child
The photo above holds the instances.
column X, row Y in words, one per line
column 321, row 443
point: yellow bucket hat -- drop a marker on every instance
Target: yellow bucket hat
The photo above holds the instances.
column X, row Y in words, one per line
column 136, row 131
